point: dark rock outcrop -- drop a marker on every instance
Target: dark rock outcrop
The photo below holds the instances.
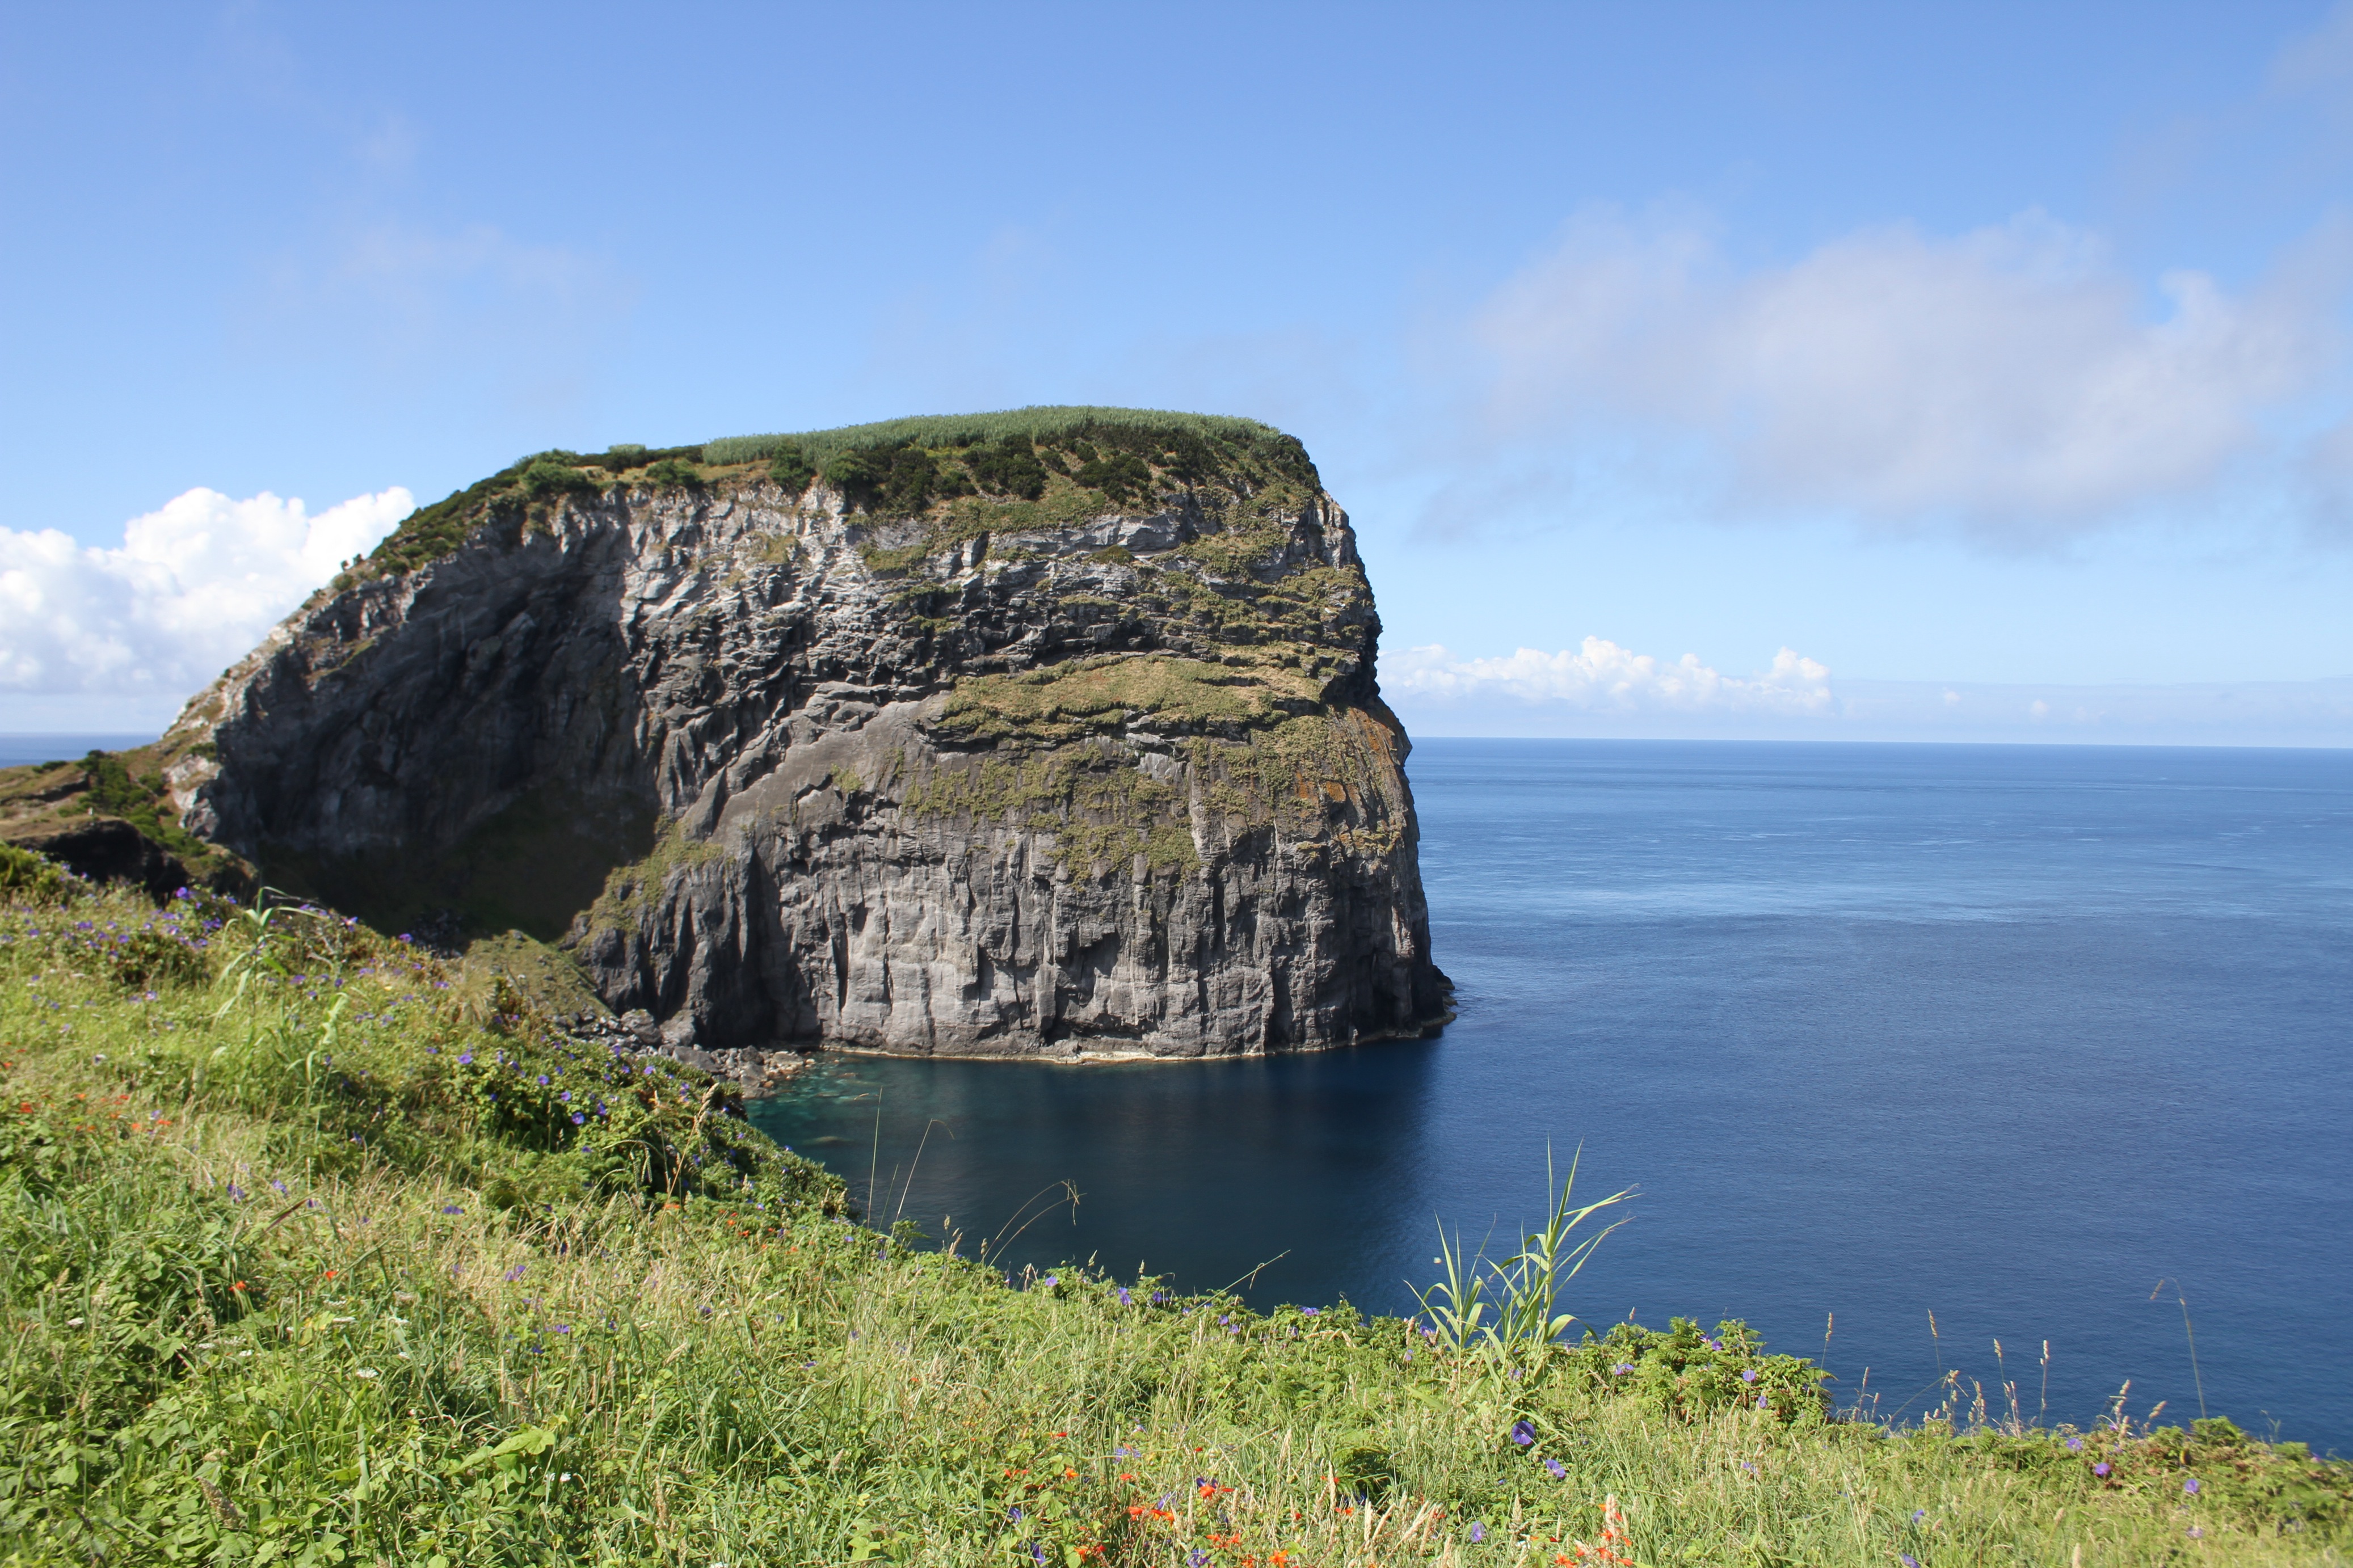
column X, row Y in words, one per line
column 989, row 774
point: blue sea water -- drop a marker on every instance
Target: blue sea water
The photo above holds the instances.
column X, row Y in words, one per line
column 2006, row 1034
column 16, row 750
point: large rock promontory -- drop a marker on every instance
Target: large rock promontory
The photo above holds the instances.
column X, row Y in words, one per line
column 1046, row 733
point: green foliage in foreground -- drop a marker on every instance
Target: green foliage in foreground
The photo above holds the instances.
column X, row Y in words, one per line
column 304, row 1264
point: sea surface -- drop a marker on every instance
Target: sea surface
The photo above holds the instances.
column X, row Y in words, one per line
column 2044, row 1042
column 17, row 750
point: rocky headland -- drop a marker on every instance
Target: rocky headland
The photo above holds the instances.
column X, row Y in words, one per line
column 1048, row 733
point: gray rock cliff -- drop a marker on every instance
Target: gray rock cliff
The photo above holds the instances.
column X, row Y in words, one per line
column 1044, row 741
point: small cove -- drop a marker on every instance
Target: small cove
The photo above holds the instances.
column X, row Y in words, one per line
column 2003, row 1033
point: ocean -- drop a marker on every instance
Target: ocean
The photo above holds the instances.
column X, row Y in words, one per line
column 1995, row 1062
column 2043, row 1041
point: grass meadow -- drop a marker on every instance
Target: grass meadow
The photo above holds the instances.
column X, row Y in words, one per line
column 318, row 1249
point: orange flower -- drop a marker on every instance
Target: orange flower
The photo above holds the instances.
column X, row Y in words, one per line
column 238, row 1286
column 329, row 1275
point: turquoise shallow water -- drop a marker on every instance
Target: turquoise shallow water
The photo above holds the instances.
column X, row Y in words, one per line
column 2004, row 1033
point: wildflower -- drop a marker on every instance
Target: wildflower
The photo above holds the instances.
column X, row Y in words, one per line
column 577, row 1118
column 1523, row 1433
column 2075, row 1445
column 543, row 1080
column 1311, row 1311
column 1124, row 1298
column 236, row 1194
column 2196, row 1534
column 238, row 1286
column 1919, row 1514
column 515, row 1274
column 1559, row 1471
column 2101, row 1468
column 466, row 1061
column 451, row 1208
column 1048, row 1282
column 1478, row 1532
column 563, row 1328
column 1748, row 1375
column 1909, row 1561
column 2191, row 1486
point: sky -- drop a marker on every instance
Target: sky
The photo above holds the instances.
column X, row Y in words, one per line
column 1975, row 372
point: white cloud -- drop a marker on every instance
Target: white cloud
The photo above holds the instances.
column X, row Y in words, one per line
column 193, row 588
column 1600, row 676
column 2009, row 378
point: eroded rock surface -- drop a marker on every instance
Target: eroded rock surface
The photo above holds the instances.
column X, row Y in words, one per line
column 1003, row 776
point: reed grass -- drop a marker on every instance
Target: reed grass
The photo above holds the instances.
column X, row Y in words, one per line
column 284, row 1284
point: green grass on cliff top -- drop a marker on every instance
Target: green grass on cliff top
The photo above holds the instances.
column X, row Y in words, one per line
column 320, row 1267
column 954, row 429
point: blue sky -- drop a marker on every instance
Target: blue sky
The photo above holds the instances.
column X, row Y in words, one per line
column 1978, row 357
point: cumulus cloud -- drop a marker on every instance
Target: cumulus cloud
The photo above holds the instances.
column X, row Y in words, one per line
column 1599, row 677
column 2011, row 378
column 193, row 587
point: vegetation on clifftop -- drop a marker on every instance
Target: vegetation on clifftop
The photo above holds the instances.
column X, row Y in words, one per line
column 305, row 1262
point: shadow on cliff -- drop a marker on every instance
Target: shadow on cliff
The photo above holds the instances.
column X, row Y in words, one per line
column 530, row 868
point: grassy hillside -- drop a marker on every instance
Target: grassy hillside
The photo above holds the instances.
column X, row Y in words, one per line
column 315, row 1250
column 1023, row 468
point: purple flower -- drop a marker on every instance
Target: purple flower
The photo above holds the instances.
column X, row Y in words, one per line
column 2191, row 1486
column 451, row 1208
column 1622, row 1368
column 515, row 1274
column 1478, row 1532
column 543, row 1080
column 1919, row 1514
column 1013, row 1512
column 1909, row 1561
column 2196, row 1534
column 1125, row 1300
column 1523, row 1433
column 2101, row 1468
column 402, row 937
column 577, row 1118
column 1748, row 1375
column 1312, row 1311
column 1763, row 1403
column 563, row 1328
column 1197, row 1560
column 1048, row 1282
column 467, row 1060
column 237, row 1195
column 280, row 1186
column 1559, row 1471
column 1037, row 1553
column 2075, row 1445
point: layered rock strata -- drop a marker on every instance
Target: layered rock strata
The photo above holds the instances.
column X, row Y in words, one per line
column 1094, row 762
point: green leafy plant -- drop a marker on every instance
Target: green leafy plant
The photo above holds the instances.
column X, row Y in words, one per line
column 673, row 473
column 1526, row 1286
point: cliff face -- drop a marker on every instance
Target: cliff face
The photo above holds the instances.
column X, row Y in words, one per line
column 1004, row 746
